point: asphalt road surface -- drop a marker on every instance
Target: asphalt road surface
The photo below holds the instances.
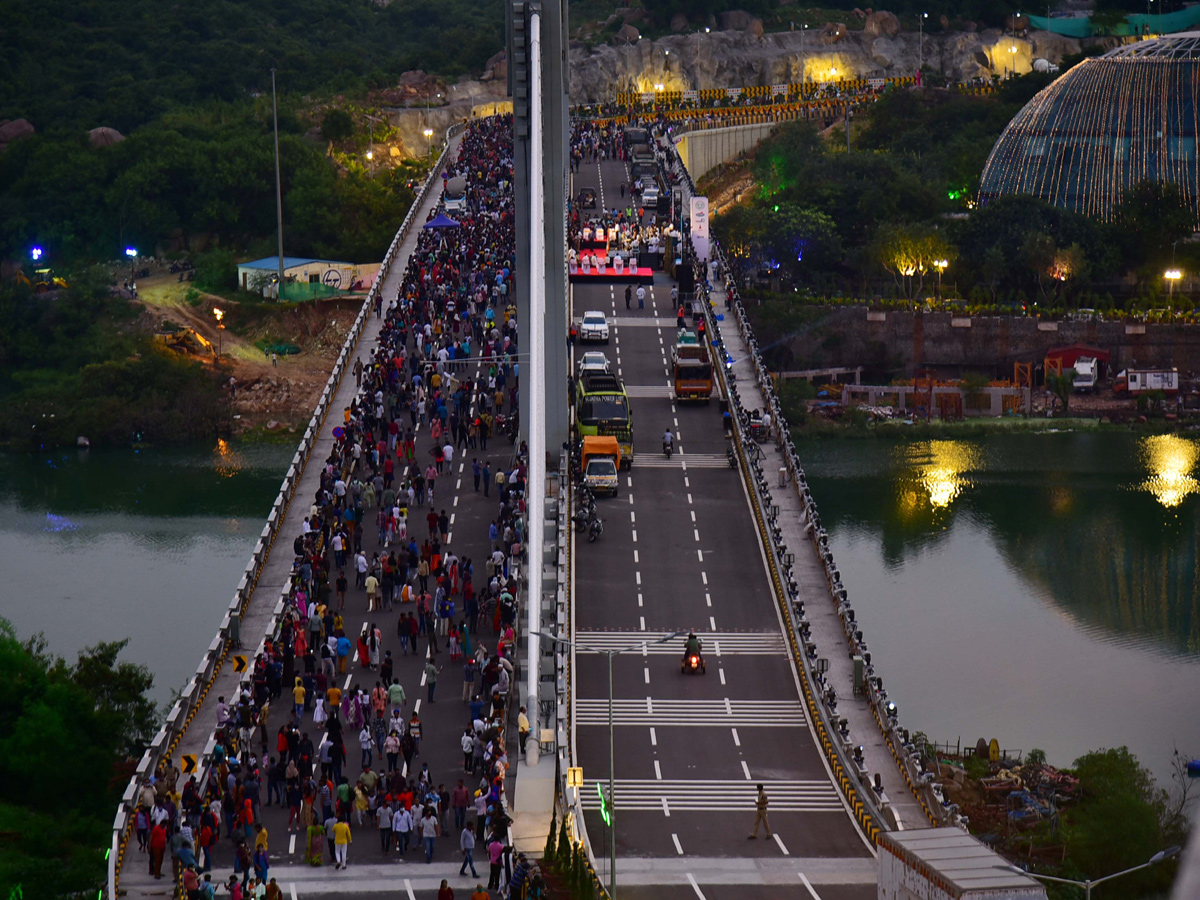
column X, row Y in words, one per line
column 680, row 551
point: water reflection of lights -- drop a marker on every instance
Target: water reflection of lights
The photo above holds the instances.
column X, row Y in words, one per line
column 940, row 468
column 1170, row 460
column 228, row 462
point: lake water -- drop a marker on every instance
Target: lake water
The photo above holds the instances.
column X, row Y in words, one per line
column 1036, row 588
column 149, row 545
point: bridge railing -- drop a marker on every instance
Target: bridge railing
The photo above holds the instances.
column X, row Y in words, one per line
column 229, row 635
column 568, row 799
column 860, row 796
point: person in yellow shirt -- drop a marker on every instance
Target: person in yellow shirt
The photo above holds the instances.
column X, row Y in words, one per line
column 341, row 842
column 260, row 838
column 298, row 694
column 333, row 698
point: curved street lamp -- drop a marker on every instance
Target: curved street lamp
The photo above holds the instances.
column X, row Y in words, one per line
column 1090, row 883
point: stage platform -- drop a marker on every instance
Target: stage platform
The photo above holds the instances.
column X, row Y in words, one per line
column 609, row 275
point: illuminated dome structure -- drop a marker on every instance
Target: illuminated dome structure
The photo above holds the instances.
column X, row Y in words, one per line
column 1110, row 122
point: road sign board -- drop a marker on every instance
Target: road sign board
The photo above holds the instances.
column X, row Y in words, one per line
column 189, row 763
column 575, row 777
column 239, row 664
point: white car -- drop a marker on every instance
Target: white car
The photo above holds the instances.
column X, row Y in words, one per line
column 593, row 361
column 593, row 328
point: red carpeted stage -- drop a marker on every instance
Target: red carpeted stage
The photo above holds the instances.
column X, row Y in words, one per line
column 609, row 275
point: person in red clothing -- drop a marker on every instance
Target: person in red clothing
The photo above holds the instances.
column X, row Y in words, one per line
column 445, row 892
column 158, row 846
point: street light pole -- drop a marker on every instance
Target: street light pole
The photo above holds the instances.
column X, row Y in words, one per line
column 1089, row 883
column 921, row 42
column 612, row 805
column 278, row 189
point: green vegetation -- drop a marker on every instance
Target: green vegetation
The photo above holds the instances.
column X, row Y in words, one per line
column 75, row 364
column 90, row 718
column 71, row 65
column 894, row 217
column 206, row 171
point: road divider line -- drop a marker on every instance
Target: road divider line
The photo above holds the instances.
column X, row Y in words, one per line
column 816, row 896
column 636, row 561
column 721, row 672
column 704, row 578
column 653, row 737
column 746, row 769
column 408, row 888
column 666, row 809
column 779, row 841
column 657, row 770
column 712, row 622
column 689, row 498
column 639, row 594
column 292, row 891
column 647, row 671
column 678, row 846
column 642, row 623
column 695, row 887
column 737, row 741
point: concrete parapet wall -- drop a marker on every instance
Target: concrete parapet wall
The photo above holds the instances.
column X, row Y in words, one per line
column 702, row 151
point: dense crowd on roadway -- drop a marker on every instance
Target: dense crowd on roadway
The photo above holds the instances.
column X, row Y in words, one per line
column 615, row 223
column 324, row 701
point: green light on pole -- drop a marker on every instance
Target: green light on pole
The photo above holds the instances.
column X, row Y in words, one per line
column 604, row 814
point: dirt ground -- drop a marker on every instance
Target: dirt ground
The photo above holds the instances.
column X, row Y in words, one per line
column 271, row 398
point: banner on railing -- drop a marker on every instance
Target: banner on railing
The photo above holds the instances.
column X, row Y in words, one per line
column 699, row 226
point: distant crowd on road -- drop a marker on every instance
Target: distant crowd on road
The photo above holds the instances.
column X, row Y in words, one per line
column 446, row 369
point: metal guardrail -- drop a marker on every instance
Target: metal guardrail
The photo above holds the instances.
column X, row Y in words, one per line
column 907, row 760
column 229, row 634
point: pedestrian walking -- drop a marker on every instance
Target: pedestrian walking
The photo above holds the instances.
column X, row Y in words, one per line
column 628, row 295
column 641, row 295
column 760, row 813
column 431, row 677
column 341, row 842
column 466, row 843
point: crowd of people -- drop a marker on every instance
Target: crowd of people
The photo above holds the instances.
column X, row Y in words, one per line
column 442, row 380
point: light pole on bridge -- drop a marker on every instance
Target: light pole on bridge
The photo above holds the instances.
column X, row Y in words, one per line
column 1089, row 883
column 612, row 805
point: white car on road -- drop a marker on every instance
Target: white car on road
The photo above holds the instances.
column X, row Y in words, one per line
column 593, row 361
column 593, row 328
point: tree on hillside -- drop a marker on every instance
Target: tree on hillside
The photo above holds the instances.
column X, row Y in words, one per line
column 337, row 125
column 63, row 729
column 911, row 252
column 1153, row 216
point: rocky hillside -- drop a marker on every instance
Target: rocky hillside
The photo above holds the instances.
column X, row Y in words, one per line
column 745, row 56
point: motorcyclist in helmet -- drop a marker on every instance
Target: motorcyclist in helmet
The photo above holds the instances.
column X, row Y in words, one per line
column 693, row 644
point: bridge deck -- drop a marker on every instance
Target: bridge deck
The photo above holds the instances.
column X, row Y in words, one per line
column 679, row 551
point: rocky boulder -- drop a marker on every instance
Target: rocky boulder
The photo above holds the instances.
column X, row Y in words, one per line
column 881, row 23
column 755, row 28
column 736, row 20
column 104, row 137
column 627, row 34
column 14, row 130
column 832, row 32
column 679, row 22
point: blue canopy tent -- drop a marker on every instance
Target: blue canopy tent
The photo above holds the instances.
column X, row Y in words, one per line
column 441, row 221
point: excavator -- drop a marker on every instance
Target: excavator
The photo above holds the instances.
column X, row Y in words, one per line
column 43, row 280
column 182, row 339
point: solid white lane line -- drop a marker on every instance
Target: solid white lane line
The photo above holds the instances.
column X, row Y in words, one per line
column 678, row 846
column 779, row 841
column 657, row 770
column 746, row 769
column 816, row 896
column 737, row 741
column 695, row 887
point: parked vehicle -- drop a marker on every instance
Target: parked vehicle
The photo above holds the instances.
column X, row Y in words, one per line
column 1144, row 381
column 1085, row 375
